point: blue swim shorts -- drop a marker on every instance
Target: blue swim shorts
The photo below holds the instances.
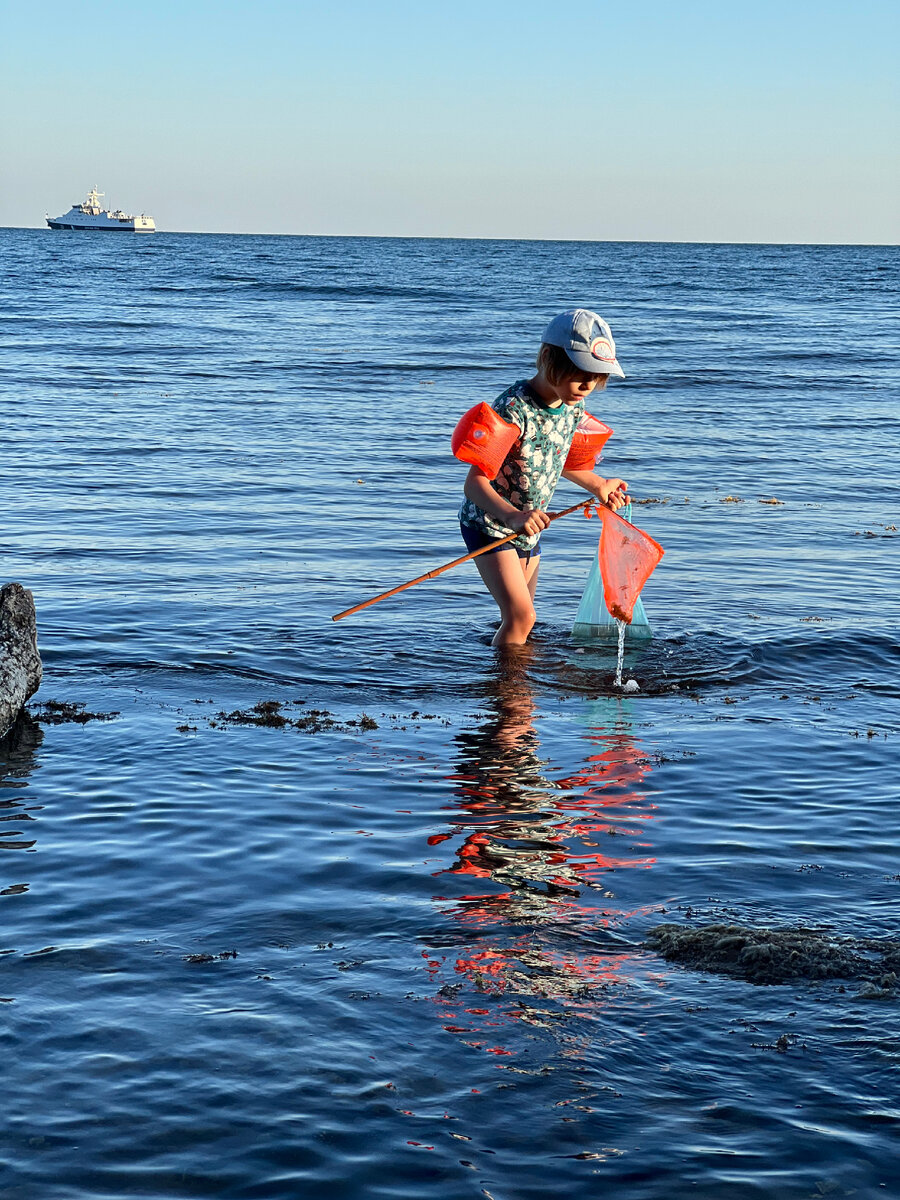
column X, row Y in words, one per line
column 475, row 538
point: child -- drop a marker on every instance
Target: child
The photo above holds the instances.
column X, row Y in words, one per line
column 577, row 355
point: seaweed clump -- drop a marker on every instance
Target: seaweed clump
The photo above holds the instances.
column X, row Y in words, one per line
column 60, row 712
column 267, row 712
column 208, row 958
column 772, row 956
column 271, row 714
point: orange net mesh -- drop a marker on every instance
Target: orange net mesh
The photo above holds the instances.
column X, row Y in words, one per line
column 627, row 558
column 590, row 437
column 484, row 439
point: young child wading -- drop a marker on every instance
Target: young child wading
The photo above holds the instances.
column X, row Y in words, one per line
column 577, row 356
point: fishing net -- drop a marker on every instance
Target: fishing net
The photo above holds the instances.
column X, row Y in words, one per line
column 589, row 439
column 483, row 438
column 625, row 558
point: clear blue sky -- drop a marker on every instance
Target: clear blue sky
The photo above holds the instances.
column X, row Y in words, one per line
column 655, row 119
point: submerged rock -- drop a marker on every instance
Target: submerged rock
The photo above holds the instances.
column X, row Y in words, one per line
column 780, row 955
column 20, row 662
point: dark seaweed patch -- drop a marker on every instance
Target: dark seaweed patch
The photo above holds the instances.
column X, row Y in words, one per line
column 267, row 712
column 270, row 714
column 296, row 714
column 772, row 956
column 202, row 959
column 59, row 712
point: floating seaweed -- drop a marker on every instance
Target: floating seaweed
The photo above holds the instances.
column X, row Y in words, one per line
column 270, row 714
column 60, row 712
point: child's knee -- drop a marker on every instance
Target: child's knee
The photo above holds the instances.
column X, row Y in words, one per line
column 521, row 617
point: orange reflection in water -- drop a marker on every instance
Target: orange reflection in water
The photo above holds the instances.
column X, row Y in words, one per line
column 547, row 847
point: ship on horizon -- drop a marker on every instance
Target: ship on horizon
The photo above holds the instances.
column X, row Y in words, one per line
column 90, row 216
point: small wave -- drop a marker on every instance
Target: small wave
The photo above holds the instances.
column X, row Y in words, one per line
column 699, row 663
column 823, row 660
column 354, row 292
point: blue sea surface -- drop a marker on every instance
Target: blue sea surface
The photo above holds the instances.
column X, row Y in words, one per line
column 361, row 909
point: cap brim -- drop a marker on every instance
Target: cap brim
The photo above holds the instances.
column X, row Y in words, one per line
column 596, row 366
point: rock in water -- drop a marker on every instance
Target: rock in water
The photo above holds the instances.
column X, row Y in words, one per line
column 783, row 955
column 20, row 662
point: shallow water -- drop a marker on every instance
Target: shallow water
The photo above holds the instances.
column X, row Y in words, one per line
column 395, row 946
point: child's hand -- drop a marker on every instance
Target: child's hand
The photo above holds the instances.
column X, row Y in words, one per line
column 530, row 521
column 614, row 493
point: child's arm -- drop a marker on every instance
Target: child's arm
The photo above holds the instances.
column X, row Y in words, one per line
column 478, row 489
column 611, row 491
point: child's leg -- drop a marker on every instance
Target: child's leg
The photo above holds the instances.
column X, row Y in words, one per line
column 531, row 573
column 511, row 581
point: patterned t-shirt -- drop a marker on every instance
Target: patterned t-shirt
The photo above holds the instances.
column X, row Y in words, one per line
column 531, row 470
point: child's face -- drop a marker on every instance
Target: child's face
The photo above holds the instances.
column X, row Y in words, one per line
column 577, row 387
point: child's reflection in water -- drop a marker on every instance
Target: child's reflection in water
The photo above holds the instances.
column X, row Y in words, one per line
column 540, row 850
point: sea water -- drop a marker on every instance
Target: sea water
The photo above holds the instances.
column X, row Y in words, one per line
column 362, row 909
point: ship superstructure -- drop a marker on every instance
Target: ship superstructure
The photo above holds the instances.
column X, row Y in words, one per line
column 90, row 215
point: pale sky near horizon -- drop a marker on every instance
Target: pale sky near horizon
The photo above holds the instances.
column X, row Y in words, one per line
column 699, row 120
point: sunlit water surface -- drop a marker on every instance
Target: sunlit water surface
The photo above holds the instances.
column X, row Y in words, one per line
column 394, row 946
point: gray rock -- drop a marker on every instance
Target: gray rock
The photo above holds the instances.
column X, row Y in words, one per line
column 20, row 662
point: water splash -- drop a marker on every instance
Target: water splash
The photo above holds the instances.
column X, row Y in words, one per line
column 621, row 658
column 632, row 685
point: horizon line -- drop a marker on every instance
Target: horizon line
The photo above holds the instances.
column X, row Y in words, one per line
column 449, row 237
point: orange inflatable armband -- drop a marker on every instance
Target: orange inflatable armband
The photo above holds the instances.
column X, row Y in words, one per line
column 627, row 559
column 484, row 439
column 590, row 437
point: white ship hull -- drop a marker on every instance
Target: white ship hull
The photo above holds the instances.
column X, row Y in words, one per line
column 135, row 225
column 90, row 217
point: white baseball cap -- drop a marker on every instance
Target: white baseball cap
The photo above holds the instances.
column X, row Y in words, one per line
column 587, row 340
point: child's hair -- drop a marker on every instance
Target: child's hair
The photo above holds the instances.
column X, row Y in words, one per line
column 556, row 367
